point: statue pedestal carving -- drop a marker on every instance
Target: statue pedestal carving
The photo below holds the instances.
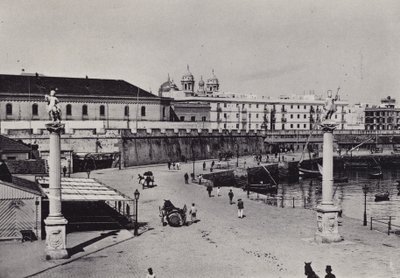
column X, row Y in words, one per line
column 56, row 241
column 327, row 213
column 55, row 223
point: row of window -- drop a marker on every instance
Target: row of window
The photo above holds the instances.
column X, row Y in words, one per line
column 193, row 118
column 102, row 110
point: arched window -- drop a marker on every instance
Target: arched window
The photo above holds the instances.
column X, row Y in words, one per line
column 34, row 109
column 102, row 110
column 69, row 110
column 84, row 110
column 8, row 109
column 143, row 111
column 126, row 111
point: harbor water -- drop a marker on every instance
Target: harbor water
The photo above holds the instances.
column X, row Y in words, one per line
column 348, row 196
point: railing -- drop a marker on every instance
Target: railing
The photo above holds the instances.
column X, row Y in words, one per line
column 384, row 224
column 281, row 201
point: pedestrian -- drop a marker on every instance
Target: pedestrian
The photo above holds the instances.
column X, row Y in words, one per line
column 329, row 273
column 193, row 213
column 218, row 191
column 178, row 166
column 204, row 166
column 212, row 164
column 209, row 189
column 200, row 177
column 230, row 194
column 240, row 208
column 245, row 163
column 150, row 273
column 65, row 171
column 186, row 176
column 211, row 169
column 169, row 165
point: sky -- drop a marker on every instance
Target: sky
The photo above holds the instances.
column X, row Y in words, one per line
column 267, row 48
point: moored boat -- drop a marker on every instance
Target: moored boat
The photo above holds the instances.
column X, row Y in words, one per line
column 382, row 196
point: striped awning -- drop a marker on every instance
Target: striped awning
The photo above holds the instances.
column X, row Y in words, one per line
column 82, row 189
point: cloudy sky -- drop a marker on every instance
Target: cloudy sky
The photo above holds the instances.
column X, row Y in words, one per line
column 269, row 47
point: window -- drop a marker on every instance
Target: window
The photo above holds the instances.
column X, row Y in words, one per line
column 256, row 126
column 305, row 107
column 8, row 109
column 305, row 125
column 34, row 109
column 84, row 110
column 204, row 118
column 102, row 110
column 298, row 125
column 126, row 111
column 298, row 106
column 249, row 105
column 249, row 115
column 298, row 116
column 237, row 115
column 256, row 105
column 69, row 110
column 225, row 104
column 291, row 116
column 237, row 126
column 291, row 125
column 143, row 111
column 305, row 116
column 225, row 126
column 193, row 118
column 257, row 116
column 182, row 118
column 291, row 106
column 224, row 115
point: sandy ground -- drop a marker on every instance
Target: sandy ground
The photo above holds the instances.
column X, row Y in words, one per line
column 268, row 242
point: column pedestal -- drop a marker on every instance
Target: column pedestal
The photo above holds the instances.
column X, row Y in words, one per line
column 56, row 241
column 327, row 213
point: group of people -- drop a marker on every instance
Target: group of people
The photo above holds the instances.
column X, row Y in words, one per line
column 173, row 165
column 240, row 203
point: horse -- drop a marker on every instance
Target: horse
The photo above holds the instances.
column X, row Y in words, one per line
column 309, row 272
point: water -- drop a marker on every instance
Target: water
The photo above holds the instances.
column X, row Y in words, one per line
column 349, row 196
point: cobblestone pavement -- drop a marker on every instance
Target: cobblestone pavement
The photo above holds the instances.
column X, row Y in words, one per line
column 268, row 242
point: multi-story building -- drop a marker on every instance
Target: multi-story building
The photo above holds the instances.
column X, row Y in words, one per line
column 385, row 116
column 85, row 103
column 355, row 116
column 229, row 111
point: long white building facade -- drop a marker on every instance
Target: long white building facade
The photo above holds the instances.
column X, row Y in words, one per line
column 230, row 111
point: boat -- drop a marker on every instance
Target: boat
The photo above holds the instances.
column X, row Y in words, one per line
column 382, row 196
column 307, row 173
column 377, row 175
column 262, row 188
column 338, row 179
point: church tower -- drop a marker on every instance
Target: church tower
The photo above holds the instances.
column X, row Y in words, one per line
column 188, row 82
column 212, row 84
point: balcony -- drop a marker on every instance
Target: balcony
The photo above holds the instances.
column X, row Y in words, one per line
column 283, row 120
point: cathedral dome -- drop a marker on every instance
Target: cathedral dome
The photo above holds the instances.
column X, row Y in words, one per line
column 213, row 80
column 168, row 86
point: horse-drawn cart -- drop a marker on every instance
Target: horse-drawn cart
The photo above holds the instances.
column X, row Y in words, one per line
column 147, row 180
column 172, row 215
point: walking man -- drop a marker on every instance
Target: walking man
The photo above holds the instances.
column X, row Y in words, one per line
column 218, row 191
column 230, row 194
column 186, row 176
column 329, row 273
column 65, row 171
column 193, row 213
column 209, row 189
column 240, row 208
column 169, row 165
column 204, row 166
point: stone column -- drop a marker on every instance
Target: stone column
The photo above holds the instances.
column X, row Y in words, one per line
column 55, row 222
column 327, row 213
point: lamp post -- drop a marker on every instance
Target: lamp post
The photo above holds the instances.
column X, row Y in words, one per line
column 194, row 161
column 137, row 195
column 365, row 190
column 237, row 155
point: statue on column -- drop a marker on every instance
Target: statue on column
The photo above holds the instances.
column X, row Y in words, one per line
column 330, row 105
column 53, row 107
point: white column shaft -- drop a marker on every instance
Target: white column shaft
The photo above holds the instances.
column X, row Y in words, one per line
column 327, row 175
column 55, row 175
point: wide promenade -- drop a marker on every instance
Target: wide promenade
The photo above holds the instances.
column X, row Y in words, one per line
column 268, row 242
